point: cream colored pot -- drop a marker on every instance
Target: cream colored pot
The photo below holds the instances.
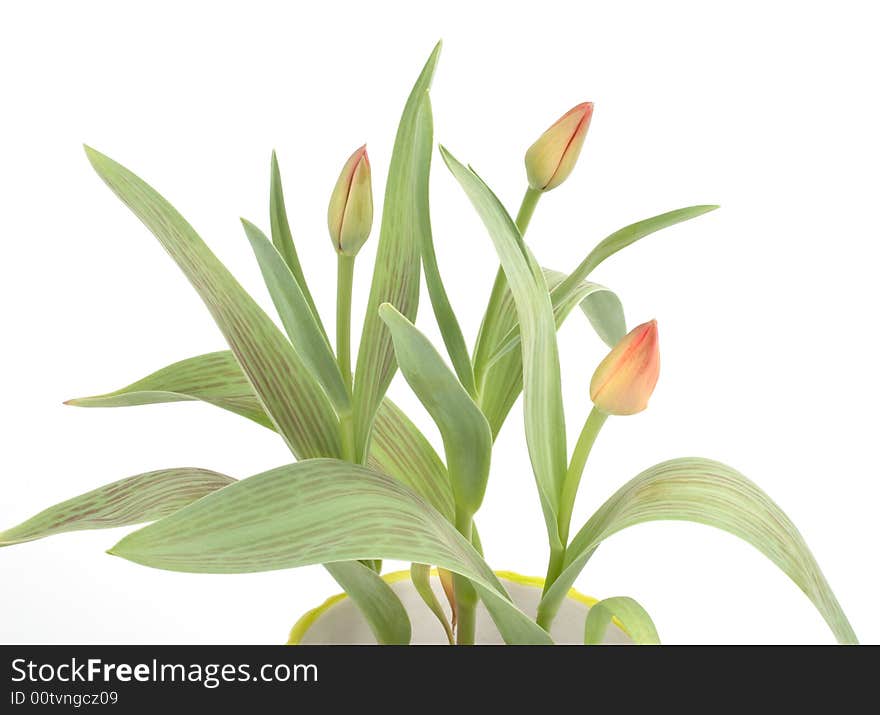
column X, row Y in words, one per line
column 339, row 622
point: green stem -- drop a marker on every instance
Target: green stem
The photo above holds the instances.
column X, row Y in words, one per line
column 585, row 442
column 499, row 287
column 465, row 595
column 587, row 438
column 344, row 280
column 526, row 209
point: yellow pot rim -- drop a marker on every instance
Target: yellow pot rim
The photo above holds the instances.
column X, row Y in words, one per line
column 301, row 627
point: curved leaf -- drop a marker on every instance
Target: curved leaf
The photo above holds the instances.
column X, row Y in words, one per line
column 396, row 276
column 283, row 240
column 634, row 619
column 467, row 439
column 619, row 240
column 318, row 511
column 290, row 395
column 297, row 318
column 401, row 451
column 544, row 419
column 443, row 312
column 375, row 599
column 711, row 493
column 397, row 447
column 133, row 500
column 215, row 378
column 421, row 579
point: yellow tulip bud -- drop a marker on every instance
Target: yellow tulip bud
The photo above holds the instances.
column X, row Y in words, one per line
column 350, row 214
column 550, row 160
column 625, row 379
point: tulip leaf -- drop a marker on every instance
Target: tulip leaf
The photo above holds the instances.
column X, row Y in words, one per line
column 467, row 439
column 400, row 450
column 290, row 395
column 133, row 500
column 542, row 391
column 705, row 492
column 619, row 240
column 375, row 599
column 215, row 378
column 443, row 312
column 501, row 381
column 319, row 511
column 397, row 447
column 297, row 318
column 282, row 239
column 634, row 619
column 396, row 276
column 421, row 578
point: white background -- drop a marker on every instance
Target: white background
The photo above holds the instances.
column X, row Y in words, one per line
column 766, row 307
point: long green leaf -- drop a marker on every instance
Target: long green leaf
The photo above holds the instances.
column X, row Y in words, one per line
column 215, row 378
column 421, row 579
column 401, row 451
column 405, row 216
column 375, row 599
column 629, row 612
column 621, row 239
column 443, row 312
column 467, row 439
column 133, row 500
column 706, row 492
column 297, row 318
column 501, row 380
column 397, row 448
column 290, row 395
column 544, row 419
column 283, row 239
column 318, row 511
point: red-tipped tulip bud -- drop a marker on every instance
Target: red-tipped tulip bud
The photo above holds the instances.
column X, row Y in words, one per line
column 350, row 214
column 625, row 379
column 550, row 160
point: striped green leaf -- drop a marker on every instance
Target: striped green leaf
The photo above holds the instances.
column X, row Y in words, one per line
column 634, row 619
column 542, row 391
column 706, row 492
column 501, row 379
column 375, row 599
column 297, row 318
column 421, row 579
column 450, row 330
column 134, row 500
column 397, row 447
column 619, row 240
column 467, row 439
column 290, row 395
column 282, row 239
column 400, row 450
column 396, row 275
column 318, row 511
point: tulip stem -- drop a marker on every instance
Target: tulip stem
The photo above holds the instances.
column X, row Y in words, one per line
column 587, row 438
column 526, row 209
column 344, row 280
column 585, row 442
column 466, row 598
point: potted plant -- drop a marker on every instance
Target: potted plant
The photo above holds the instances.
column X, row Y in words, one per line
column 366, row 484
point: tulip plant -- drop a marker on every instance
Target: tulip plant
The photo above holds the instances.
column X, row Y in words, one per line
column 366, row 484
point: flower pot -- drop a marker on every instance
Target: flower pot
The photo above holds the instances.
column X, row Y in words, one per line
column 339, row 622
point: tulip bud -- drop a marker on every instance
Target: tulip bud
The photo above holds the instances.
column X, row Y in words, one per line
column 625, row 379
column 550, row 160
column 350, row 214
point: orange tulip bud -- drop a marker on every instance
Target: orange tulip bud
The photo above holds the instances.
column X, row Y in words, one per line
column 550, row 160
column 625, row 379
column 350, row 214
